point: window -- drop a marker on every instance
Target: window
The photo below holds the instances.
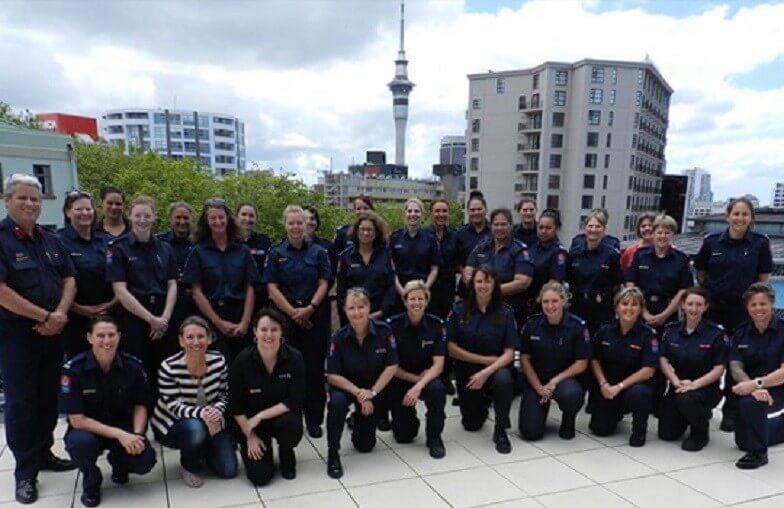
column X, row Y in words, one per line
column 595, row 96
column 530, row 183
column 631, row 164
column 559, row 99
column 639, row 77
column 560, row 78
column 589, row 181
column 604, row 183
column 593, row 139
column 638, row 98
column 610, row 118
column 631, row 184
column 614, row 74
column 475, row 126
column 535, row 100
column 474, row 163
column 136, row 116
column 597, row 74
column 594, row 117
column 590, row 160
column 554, row 181
column 473, row 183
column 518, row 187
column 634, row 140
column 474, row 144
column 43, row 172
column 476, row 104
column 555, row 161
column 521, row 102
column 606, row 163
column 636, row 120
column 552, row 201
column 612, row 97
column 535, row 84
column 609, row 140
column 604, row 201
column 559, row 119
column 499, row 85
column 556, row 141
column 586, row 203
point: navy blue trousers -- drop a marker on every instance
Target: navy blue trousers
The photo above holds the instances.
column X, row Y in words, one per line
column 691, row 409
column 363, row 435
column 498, row 390
column 533, row 416
column 405, row 424
column 757, row 425
column 287, row 431
column 637, row 400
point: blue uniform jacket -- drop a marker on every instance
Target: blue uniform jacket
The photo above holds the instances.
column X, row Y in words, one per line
column 554, row 348
column 223, row 275
column 297, row 271
column 362, row 363
column 377, row 277
column 146, row 267
column 694, row 355
column 622, row 355
column 418, row 344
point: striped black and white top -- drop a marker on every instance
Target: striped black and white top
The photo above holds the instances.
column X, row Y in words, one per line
column 179, row 390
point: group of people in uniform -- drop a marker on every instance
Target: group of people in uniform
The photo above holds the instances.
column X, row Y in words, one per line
column 213, row 336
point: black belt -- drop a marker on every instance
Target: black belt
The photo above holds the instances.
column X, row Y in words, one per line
column 151, row 299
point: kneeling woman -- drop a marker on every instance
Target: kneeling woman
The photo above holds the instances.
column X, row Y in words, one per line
column 266, row 394
column 757, row 367
column 105, row 395
column 481, row 338
column 189, row 416
column 625, row 355
column 693, row 356
column 555, row 348
column 421, row 347
column 362, row 360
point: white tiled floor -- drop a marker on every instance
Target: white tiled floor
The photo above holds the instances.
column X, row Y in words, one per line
column 584, row 472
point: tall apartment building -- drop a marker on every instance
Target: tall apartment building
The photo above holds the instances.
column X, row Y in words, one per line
column 698, row 188
column 574, row 136
column 215, row 139
column 777, row 198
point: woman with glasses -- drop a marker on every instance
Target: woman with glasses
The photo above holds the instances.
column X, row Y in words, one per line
column 143, row 273
column 258, row 243
column 114, row 223
column 222, row 275
column 298, row 275
column 87, row 247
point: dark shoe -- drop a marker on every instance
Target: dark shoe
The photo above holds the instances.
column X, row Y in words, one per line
column 334, row 467
column 350, row 421
column 752, row 460
column 727, row 424
column 637, row 440
column 692, row 444
column 288, row 463
column 91, row 499
column 120, row 477
column 315, row 431
column 450, row 388
column 26, row 491
column 54, row 463
column 436, row 447
column 384, row 424
column 456, row 401
column 566, row 432
column 502, row 444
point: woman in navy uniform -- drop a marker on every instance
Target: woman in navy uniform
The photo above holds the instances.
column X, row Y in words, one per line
column 625, row 356
column 259, row 245
column 87, row 247
column 526, row 230
column 36, row 290
column 312, row 226
column 222, row 275
column 594, row 274
column 693, row 357
column 105, row 396
column 421, row 347
column 443, row 290
column 143, row 273
column 341, row 241
column 367, row 263
column 757, row 368
column 266, row 395
column 555, row 348
column 114, row 223
column 548, row 256
column 481, row 339
column 470, row 235
column 298, row 275
column 580, row 238
column 509, row 260
column 362, row 361
column 727, row 264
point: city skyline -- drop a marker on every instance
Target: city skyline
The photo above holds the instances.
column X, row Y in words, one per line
column 312, row 90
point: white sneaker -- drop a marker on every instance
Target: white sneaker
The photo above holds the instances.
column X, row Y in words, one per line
column 192, row 480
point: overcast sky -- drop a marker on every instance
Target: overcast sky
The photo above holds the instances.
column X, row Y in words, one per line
column 309, row 77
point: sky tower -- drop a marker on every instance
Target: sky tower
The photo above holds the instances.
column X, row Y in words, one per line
column 400, row 87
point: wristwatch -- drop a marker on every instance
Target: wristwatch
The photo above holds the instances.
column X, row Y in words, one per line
column 759, row 382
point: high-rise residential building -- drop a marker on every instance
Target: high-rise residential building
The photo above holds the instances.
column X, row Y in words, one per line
column 400, row 87
column 698, row 188
column 777, row 198
column 215, row 139
column 575, row 136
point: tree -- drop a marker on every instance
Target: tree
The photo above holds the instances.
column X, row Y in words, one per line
column 24, row 118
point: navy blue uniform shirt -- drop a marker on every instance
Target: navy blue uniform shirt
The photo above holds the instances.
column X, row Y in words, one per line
column 761, row 353
column 554, row 348
column 109, row 397
column 252, row 388
column 146, row 267
column 34, row 267
column 731, row 266
column 694, row 355
column 550, row 261
column 362, row 363
column 480, row 333
column 526, row 235
column 223, row 275
column 180, row 245
column 447, row 246
column 259, row 245
column 418, row 344
column 327, row 246
column 297, row 271
column 622, row 355
column 341, row 241
column 126, row 229
column 89, row 259
column 659, row 276
column 413, row 256
column 595, row 271
column 377, row 277
column 579, row 241
column 467, row 240
column 512, row 259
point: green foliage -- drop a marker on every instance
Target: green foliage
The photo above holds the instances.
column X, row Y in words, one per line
column 22, row 119
column 393, row 214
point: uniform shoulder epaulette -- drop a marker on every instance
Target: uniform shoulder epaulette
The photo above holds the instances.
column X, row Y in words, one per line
column 649, row 328
column 396, row 317
column 577, row 318
column 129, row 356
column 382, row 324
column 519, row 243
column 673, row 324
column 76, row 359
column 433, row 317
column 346, row 250
column 714, row 324
column 758, row 234
column 711, row 235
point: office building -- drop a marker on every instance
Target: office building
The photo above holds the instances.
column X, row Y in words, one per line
column 216, row 140
column 341, row 189
column 451, row 166
column 777, row 198
column 574, row 136
column 674, row 196
column 698, row 188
